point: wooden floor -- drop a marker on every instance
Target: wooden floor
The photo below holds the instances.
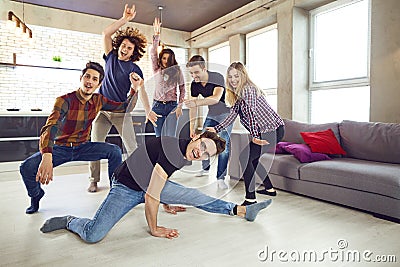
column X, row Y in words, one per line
column 291, row 228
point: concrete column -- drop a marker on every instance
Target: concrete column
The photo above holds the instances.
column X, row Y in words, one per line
column 238, row 48
column 237, row 44
column 285, row 62
column 385, row 61
column 204, row 53
column 300, row 70
column 192, row 52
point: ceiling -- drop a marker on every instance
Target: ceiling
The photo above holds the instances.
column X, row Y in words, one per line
column 184, row 15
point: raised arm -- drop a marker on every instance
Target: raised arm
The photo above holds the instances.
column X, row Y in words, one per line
column 152, row 202
column 128, row 15
column 156, row 40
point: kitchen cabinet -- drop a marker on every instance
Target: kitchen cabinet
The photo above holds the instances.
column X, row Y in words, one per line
column 19, row 136
column 20, row 131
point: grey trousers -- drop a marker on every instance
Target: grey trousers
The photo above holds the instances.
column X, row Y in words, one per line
column 100, row 128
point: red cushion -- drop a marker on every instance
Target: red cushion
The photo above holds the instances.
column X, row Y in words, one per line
column 323, row 142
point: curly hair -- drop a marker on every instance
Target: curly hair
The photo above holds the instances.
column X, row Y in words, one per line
column 135, row 37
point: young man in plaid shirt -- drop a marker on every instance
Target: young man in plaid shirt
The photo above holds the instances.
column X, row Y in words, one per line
column 65, row 137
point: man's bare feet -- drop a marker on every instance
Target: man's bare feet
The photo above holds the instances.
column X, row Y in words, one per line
column 92, row 187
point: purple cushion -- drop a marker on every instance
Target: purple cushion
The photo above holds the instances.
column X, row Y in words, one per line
column 280, row 147
column 303, row 153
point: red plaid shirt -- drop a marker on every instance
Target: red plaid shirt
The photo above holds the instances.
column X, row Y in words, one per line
column 72, row 117
column 256, row 115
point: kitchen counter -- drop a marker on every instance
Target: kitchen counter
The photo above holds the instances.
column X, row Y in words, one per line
column 23, row 113
column 20, row 131
column 29, row 113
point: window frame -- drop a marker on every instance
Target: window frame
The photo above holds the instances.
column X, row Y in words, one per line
column 218, row 46
column 351, row 82
column 270, row 90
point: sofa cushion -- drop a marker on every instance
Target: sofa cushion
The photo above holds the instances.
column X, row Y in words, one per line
column 323, row 142
column 285, row 165
column 369, row 176
column 303, row 153
column 293, row 129
column 374, row 141
column 280, row 147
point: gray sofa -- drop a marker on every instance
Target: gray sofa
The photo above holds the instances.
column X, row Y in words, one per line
column 366, row 178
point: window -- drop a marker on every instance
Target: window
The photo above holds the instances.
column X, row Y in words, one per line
column 334, row 105
column 339, row 69
column 262, row 61
column 219, row 58
column 180, row 56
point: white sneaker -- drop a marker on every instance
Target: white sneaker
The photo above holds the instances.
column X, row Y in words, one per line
column 202, row 173
column 221, row 184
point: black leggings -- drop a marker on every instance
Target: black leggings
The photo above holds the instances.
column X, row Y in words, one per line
column 249, row 161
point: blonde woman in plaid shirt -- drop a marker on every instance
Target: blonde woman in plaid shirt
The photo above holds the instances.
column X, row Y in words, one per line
column 265, row 126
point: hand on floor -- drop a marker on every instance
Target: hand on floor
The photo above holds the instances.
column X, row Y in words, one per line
column 173, row 209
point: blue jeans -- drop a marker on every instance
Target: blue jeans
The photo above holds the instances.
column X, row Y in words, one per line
column 223, row 158
column 166, row 125
column 89, row 151
column 121, row 199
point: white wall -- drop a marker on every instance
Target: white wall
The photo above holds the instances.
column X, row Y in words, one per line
column 61, row 19
column 31, row 87
column 73, row 36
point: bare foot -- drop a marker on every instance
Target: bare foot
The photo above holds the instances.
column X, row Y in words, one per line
column 92, row 187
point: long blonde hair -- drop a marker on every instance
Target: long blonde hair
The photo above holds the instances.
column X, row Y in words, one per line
column 234, row 94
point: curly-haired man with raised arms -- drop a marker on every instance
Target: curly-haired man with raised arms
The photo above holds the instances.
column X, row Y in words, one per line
column 122, row 48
